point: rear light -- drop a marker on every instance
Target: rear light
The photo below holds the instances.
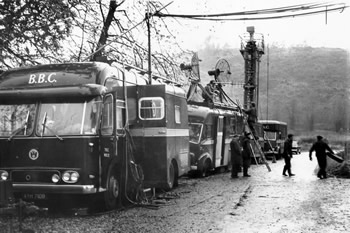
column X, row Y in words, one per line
column 70, row 176
column 4, row 175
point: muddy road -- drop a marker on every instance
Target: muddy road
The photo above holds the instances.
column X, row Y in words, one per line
column 302, row 203
column 265, row 202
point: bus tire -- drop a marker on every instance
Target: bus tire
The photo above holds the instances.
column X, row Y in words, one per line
column 111, row 195
column 172, row 178
column 204, row 172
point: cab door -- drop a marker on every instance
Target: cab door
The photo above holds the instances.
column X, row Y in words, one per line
column 108, row 138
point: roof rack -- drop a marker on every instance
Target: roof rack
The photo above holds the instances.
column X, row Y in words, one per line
column 155, row 77
column 214, row 105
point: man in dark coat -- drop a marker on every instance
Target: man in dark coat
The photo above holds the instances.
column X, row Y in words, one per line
column 320, row 146
column 246, row 153
column 211, row 92
column 288, row 155
column 236, row 156
column 252, row 118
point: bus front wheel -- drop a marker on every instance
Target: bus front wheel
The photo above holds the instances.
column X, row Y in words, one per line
column 204, row 172
column 111, row 195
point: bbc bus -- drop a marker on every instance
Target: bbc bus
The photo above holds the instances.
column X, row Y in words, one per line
column 275, row 135
column 211, row 131
column 158, row 123
column 65, row 131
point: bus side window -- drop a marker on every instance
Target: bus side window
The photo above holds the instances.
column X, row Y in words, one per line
column 107, row 116
column 207, row 133
column 240, row 124
column 151, row 108
column 177, row 114
column 233, row 126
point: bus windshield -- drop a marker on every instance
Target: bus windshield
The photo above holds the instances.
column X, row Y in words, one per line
column 195, row 132
column 78, row 118
column 271, row 135
column 17, row 119
column 68, row 118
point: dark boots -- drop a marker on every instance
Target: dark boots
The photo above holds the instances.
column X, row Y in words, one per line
column 284, row 171
column 245, row 172
column 289, row 171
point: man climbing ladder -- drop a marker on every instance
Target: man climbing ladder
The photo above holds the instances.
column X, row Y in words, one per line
column 257, row 145
column 249, row 128
column 252, row 119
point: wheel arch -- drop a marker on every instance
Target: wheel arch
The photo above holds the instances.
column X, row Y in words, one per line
column 203, row 159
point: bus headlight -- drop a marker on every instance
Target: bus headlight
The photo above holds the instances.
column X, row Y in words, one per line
column 4, row 175
column 74, row 177
column 70, row 176
column 55, row 178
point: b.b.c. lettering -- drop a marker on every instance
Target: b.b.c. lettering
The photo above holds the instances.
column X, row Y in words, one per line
column 41, row 78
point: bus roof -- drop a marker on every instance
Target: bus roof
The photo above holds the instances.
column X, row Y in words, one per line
column 272, row 122
column 52, row 75
column 204, row 114
column 67, row 79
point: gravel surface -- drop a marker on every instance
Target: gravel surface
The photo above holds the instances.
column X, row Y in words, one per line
column 265, row 202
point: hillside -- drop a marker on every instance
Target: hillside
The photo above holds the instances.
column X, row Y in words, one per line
column 306, row 87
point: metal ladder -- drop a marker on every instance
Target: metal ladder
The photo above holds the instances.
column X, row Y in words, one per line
column 257, row 145
column 246, row 126
column 273, row 154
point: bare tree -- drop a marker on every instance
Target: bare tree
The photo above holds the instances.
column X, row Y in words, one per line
column 117, row 41
column 31, row 31
column 106, row 24
column 34, row 32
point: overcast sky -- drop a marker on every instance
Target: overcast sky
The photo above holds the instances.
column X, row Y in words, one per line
column 319, row 30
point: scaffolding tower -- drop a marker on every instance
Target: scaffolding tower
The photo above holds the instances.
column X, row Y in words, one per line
column 252, row 48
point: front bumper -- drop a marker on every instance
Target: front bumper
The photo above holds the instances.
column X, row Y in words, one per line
column 54, row 188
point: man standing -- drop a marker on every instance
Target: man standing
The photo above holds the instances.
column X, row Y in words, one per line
column 288, row 155
column 252, row 118
column 236, row 156
column 320, row 146
column 246, row 153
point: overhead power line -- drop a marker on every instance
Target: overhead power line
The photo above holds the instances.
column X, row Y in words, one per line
column 279, row 12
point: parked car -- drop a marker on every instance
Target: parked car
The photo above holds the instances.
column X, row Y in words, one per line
column 295, row 147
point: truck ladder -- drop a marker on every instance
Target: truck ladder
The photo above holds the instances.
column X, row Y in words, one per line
column 273, row 154
column 257, row 146
column 245, row 123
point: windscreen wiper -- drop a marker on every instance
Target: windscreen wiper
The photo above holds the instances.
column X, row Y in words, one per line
column 26, row 124
column 15, row 132
column 46, row 127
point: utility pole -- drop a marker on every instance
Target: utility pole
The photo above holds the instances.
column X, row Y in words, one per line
column 148, row 16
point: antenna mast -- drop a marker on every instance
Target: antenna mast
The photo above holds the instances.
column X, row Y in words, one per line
column 251, row 49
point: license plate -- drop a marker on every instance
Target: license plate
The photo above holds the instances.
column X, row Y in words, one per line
column 34, row 196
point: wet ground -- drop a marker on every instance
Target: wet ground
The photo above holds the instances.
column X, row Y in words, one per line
column 302, row 203
column 266, row 202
